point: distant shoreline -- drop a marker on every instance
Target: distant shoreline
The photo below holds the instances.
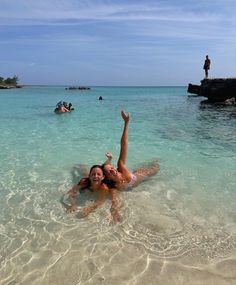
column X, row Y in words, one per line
column 100, row 86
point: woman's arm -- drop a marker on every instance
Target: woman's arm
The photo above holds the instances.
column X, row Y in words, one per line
column 101, row 199
column 115, row 205
column 65, row 109
column 72, row 193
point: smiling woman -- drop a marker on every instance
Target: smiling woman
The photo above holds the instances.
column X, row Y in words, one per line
column 95, row 183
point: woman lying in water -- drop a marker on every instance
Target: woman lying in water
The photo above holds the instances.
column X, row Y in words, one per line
column 121, row 177
column 107, row 179
column 95, row 182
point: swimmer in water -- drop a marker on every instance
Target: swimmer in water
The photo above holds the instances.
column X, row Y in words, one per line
column 95, row 182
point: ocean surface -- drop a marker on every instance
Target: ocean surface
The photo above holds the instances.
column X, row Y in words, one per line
column 178, row 227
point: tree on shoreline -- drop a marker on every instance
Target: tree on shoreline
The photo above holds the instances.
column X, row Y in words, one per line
column 9, row 81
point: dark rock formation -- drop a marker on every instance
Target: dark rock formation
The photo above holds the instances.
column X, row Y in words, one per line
column 216, row 90
column 10, row 86
column 78, row 88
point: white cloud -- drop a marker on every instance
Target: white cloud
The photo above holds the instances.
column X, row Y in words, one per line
column 29, row 11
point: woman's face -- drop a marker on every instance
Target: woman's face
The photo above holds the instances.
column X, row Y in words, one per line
column 96, row 176
column 110, row 171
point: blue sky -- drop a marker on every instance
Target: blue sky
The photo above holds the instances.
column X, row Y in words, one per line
column 134, row 43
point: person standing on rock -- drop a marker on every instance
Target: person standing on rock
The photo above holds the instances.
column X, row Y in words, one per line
column 206, row 66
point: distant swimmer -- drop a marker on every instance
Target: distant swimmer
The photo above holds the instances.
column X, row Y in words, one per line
column 70, row 107
column 100, row 98
column 63, row 107
column 206, row 66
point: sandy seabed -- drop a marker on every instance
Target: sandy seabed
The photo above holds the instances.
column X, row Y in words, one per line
column 158, row 245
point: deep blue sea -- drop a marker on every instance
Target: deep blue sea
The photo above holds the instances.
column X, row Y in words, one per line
column 179, row 227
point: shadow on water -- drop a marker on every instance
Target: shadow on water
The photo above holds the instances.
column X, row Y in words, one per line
column 83, row 198
column 215, row 126
column 78, row 171
column 217, row 110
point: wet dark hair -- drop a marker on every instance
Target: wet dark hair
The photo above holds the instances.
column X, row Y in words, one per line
column 96, row 166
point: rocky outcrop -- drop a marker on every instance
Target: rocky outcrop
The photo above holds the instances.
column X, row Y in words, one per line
column 10, row 86
column 78, row 88
column 216, row 90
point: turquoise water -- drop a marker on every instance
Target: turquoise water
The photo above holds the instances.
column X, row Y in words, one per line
column 179, row 225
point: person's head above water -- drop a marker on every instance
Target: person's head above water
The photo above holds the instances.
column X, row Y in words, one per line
column 95, row 178
column 96, row 174
column 111, row 172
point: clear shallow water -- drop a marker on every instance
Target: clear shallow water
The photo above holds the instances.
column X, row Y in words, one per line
column 179, row 226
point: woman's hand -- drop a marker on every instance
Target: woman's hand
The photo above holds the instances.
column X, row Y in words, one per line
column 109, row 155
column 85, row 212
column 125, row 117
column 84, row 182
column 115, row 215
